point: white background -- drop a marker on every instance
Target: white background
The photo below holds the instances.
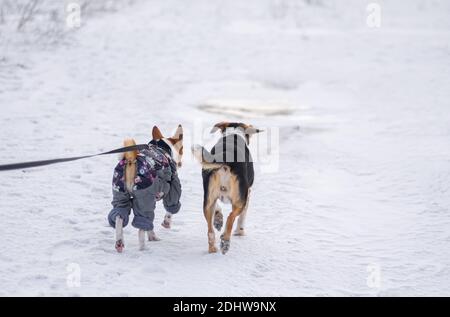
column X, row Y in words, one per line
column 364, row 170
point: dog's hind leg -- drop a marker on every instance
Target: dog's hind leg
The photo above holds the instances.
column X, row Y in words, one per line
column 241, row 220
column 218, row 217
column 208, row 212
column 119, row 234
column 225, row 237
column 141, row 236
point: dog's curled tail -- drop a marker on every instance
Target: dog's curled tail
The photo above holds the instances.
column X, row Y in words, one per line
column 130, row 169
column 204, row 157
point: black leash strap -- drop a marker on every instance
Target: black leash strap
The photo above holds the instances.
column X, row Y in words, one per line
column 17, row 166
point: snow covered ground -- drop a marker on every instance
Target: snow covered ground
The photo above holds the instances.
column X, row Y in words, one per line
column 362, row 192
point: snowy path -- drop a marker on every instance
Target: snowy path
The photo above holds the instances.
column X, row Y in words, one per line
column 364, row 167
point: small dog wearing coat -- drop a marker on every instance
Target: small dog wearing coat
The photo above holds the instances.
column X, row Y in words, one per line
column 140, row 179
column 228, row 175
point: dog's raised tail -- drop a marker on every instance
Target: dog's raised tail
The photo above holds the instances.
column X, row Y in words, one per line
column 204, row 157
column 130, row 169
column 131, row 155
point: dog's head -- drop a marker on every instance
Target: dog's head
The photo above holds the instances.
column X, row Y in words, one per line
column 247, row 130
column 174, row 143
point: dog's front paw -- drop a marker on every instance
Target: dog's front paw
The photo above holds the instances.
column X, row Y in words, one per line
column 167, row 221
column 218, row 220
column 224, row 245
column 120, row 246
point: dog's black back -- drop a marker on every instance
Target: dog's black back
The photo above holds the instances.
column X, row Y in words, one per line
column 232, row 151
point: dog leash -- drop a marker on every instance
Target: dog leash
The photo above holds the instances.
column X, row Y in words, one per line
column 16, row 166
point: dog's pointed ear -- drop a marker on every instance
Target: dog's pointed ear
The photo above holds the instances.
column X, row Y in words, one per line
column 178, row 133
column 156, row 134
column 250, row 130
column 220, row 126
column 177, row 137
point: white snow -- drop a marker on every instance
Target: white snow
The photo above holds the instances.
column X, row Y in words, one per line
column 364, row 167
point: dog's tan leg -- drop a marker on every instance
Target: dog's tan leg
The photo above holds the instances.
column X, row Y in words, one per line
column 141, row 236
column 218, row 217
column 241, row 220
column 119, row 234
column 225, row 238
column 209, row 213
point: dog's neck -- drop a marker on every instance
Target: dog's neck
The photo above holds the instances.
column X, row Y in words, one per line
column 165, row 146
column 235, row 131
column 172, row 151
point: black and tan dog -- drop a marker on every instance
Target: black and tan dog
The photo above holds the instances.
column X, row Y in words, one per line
column 228, row 175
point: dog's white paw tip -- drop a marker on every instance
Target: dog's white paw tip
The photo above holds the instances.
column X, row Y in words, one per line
column 239, row 232
column 119, row 246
